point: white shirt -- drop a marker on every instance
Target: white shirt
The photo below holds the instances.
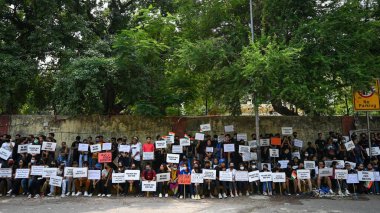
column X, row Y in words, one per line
column 135, row 148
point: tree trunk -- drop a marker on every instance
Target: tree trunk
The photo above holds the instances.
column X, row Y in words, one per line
column 278, row 107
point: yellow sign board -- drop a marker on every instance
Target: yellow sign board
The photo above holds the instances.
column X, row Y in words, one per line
column 368, row 100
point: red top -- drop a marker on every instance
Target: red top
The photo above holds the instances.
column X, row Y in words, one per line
column 148, row 147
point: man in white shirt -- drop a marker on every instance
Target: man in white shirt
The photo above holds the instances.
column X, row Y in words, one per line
column 136, row 151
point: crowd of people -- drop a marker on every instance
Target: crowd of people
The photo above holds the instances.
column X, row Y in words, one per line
column 197, row 156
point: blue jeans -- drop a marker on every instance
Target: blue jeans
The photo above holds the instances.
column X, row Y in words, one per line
column 267, row 186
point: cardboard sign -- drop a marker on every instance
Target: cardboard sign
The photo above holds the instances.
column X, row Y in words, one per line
column 278, row 177
column 148, row 155
column 199, row 136
column 205, row 127
column 79, row 172
column 169, row 139
column 287, row 130
column 296, row 154
column 106, row 146
column 148, row 186
column 83, row 147
column 209, row 149
column 5, row 172
column 265, row 142
column 225, row 176
column 241, row 176
column 274, row 153
column 37, row 170
column 309, row 164
column 366, row 176
column 94, row 174
column 303, row 174
column 275, row 141
column 95, row 148
column 22, row 148
column 177, row 149
column 298, row 143
column 242, row 136
column 184, row 142
column 172, row 158
column 341, row 174
column 49, row 146
column 352, row 178
column 229, row 147
column 265, row 176
column 325, row 172
column 68, row 171
column 229, row 128
column 283, row 163
column 253, row 176
column 244, row 149
column 160, row 144
column 118, row 178
column 375, row 151
column 105, row 157
column 48, row 172
column 349, row 145
column 253, row 144
column 5, row 154
column 126, row 148
column 34, row 149
column 247, row 156
column 162, row 177
column 55, row 181
column 209, row 174
column 184, row 179
column 340, row 164
column 196, row 178
column 132, row 174
column 22, row 173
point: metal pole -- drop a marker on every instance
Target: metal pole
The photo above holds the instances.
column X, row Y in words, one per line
column 369, row 137
column 251, row 13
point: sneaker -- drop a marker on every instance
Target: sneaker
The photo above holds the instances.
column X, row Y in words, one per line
column 160, row 195
column 166, row 195
column 265, row 194
column 203, row 197
column 86, row 194
column 90, row 195
column 99, row 195
column 220, row 196
column 340, row 192
column 72, row 194
column 236, row 194
column 297, row 194
column 63, row 195
column 192, row 197
column 109, row 195
column 50, row 194
column 331, row 192
column 36, row 196
column 181, row 197
column 68, row 193
column 13, row 196
column 347, row 192
column 212, row 196
column 232, row 195
column 103, row 195
column 224, row 195
column 78, row 194
column 29, row 196
column 247, row 194
column 270, row 193
column 9, row 192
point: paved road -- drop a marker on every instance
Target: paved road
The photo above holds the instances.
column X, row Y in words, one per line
column 168, row 205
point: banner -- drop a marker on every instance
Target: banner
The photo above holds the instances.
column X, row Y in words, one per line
column 105, row 157
column 49, row 146
column 132, row 174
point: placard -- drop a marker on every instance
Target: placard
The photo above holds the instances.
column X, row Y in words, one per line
column 303, row 174
column 241, row 176
column 160, row 144
column 48, row 172
column 184, row 179
column 275, row 141
column 283, row 163
column 274, row 153
column 249, row 156
column 22, row 148
column 328, row 163
column 229, row 128
column 5, row 172
column 377, row 176
column 106, row 146
column 352, row 178
column 22, row 173
column 296, row 154
column 375, row 151
column 162, row 177
column 253, row 176
column 5, row 154
column 268, row 165
column 220, row 138
column 265, row 142
column 55, row 181
column 242, row 136
column 105, row 157
column 196, row 178
column 205, row 127
column 126, row 148
column 49, row 146
column 148, row 155
column 287, row 130
column 225, row 176
column 199, row 136
column 37, row 170
column 366, row 176
column 349, row 145
column 118, row 178
column 353, row 165
column 209, row 174
column 298, row 143
column 94, row 174
column 34, row 149
column 95, row 148
column 325, row 172
column 132, row 174
column 79, row 172
column 341, row 174
column 229, row 147
column 252, row 144
column 148, row 186
column 309, row 164
column 184, row 142
column 177, row 149
column 68, row 171
column 169, row 139
column 278, row 177
column 265, row 176
column 340, row 164
column 244, row 149
column 209, row 149
column 83, row 147
column 172, row 158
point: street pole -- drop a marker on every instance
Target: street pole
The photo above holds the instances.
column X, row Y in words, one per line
column 369, row 137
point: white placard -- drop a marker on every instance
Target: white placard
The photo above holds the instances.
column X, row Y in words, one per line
column 95, row 148
column 48, row 172
column 252, row 144
column 160, row 144
column 209, row 149
column 37, row 170
column 278, row 177
column 241, row 176
column 5, row 154
column 249, row 156
column 177, row 149
column 172, row 158
column 328, row 163
column 196, row 178
column 220, row 138
column 79, row 172
column 126, row 148
column 341, row 174
column 209, row 174
column 366, row 176
column 162, row 177
column 22, row 148
column 225, row 176
column 205, row 127
column 229, row 128
column 199, row 136
column 5, row 172
column 22, row 173
column 55, row 181
column 352, row 178
column 148, row 155
column 83, row 147
column 274, row 153
column 377, row 176
column 268, row 165
column 287, row 130
column 298, row 143
column 242, row 136
column 309, row 164
column 265, row 176
column 34, row 149
column 265, row 142
column 106, row 146
column 303, row 174
column 169, row 139
column 353, row 165
column 253, row 176
column 68, row 171
column 375, row 151
column 148, row 186
column 283, row 163
column 244, row 149
column 349, row 145
column 184, row 142
column 49, row 146
column 118, row 178
column 340, row 164
column 325, row 172
column 230, row 147
column 132, row 174
column 296, row 154
column 94, row 174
